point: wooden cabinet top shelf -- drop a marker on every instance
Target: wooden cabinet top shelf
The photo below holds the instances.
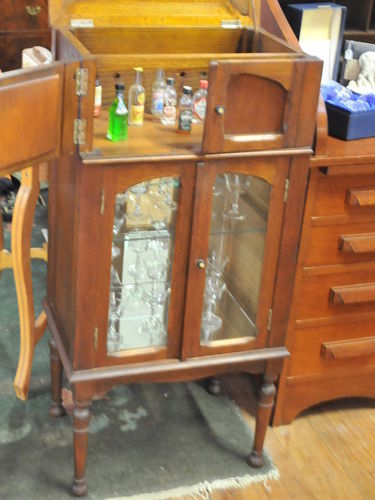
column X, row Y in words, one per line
column 152, row 139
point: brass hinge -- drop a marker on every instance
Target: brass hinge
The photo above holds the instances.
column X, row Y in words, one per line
column 79, row 131
column 82, row 81
column 269, row 320
column 286, row 189
column 96, row 338
column 102, row 203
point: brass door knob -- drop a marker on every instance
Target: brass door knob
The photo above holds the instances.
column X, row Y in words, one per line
column 201, row 264
column 33, row 10
column 220, row 110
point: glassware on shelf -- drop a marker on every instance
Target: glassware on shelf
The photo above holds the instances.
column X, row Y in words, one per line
column 137, row 216
column 152, row 326
column 211, row 322
column 234, row 189
column 113, row 336
column 216, row 264
column 119, row 213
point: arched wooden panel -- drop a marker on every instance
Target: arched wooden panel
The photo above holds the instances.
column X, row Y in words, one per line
column 257, row 93
column 264, row 103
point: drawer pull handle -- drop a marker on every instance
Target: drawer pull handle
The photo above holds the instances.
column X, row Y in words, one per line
column 348, row 348
column 33, row 10
column 361, row 197
column 353, row 294
column 357, row 243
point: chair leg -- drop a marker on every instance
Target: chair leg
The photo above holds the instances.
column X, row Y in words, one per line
column 21, row 241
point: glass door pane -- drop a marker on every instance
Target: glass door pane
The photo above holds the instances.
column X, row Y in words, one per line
column 235, row 257
column 142, row 255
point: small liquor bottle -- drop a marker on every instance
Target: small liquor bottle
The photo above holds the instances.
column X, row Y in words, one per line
column 157, row 94
column 200, row 102
column 118, row 116
column 98, row 97
column 170, row 102
column 136, row 100
column 185, row 113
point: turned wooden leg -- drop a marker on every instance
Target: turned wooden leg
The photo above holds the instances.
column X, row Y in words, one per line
column 81, row 418
column 57, row 408
column 214, row 386
column 263, row 415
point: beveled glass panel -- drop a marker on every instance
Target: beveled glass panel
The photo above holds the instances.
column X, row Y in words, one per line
column 235, row 257
column 142, row 255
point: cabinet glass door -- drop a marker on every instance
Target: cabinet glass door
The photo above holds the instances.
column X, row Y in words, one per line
column 141, row 267
column 235, row 257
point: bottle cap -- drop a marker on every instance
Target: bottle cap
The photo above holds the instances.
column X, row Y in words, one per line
column 119, row 86
column 170, row 80
column 138, row 68
column 187, row 90
column 203, row 84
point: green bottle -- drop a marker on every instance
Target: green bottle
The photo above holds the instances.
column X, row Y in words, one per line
column 118, row 116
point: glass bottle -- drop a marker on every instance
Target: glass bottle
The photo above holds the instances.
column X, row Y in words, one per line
column 170, row 102
column 200, row 102
column 185, row 113
column 136, row 100
column 157, row 94
column 98, row 97
column 118, row 116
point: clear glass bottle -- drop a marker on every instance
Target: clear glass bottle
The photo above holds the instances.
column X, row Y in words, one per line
column 170, row 102
column 185, row 113
column 136, row 100
column 118, row 116
column 157, row 94
column 200, row 102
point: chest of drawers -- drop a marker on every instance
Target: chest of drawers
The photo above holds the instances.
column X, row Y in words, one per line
column 331, row 331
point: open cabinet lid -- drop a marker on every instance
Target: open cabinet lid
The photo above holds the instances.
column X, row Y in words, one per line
column 155, row 13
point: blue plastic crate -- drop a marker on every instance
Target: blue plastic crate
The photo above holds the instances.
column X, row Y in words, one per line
column 349, row 125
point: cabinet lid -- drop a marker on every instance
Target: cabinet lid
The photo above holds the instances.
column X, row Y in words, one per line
column 155, row 13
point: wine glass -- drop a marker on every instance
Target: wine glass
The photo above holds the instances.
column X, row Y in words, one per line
column 113, row 336
column 234, row 187
column 211, row 322
column 119, row 212
column 136, row 216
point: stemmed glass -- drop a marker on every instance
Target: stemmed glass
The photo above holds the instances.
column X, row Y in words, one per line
column 137, row 216
column 113, row 336
column 119, row 213
column 211, row 322
column 234, row 187
column 136, row 269
column 163, row 193
column 156, row 269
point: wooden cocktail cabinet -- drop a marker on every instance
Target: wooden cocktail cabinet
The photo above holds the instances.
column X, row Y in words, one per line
column 171, row 256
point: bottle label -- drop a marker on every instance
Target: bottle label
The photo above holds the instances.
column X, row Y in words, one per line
column 141, row 98
column 199, row 109
column 136, row 114
column 157, row 100
column 170, row 112
column 98, row 100
column 184, row 121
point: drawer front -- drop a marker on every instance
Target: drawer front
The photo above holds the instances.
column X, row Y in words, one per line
column 347, row 195
column 11, row 47
column 23, row 15
column 341, row 244
column 330, row 295
column 333, row 348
